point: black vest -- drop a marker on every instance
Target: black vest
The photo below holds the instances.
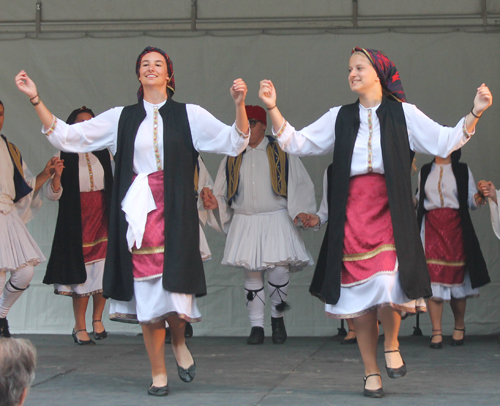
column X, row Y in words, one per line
column 183, row 267
column 66, row 265
column 21, row 187
column 397, row 157
column 475, row 264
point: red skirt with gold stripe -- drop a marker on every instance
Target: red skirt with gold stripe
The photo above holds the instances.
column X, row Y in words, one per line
column 94, row 226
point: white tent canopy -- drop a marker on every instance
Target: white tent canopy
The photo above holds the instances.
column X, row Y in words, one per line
column 83, row 53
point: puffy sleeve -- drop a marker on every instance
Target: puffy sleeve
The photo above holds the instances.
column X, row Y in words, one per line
column 317, row 138
column 211, row 135
column 95, row 134
column 301, row 196
column 204, row 180
column 220, row 193
column 323, row 208
column 29, row 205
column 428, row 137
column 472, row 192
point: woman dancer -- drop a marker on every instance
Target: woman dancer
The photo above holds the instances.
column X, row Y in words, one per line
column 19, row 200
column 76, row 263
column 447, row 191
column 371, row 215
column 152, row 272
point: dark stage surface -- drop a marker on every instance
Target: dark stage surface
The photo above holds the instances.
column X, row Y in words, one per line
column 303, row 371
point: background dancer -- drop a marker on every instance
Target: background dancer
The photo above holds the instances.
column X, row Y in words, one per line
column 153, row 268
column 19, row 201
column 493, row 195
column 371, row 213
column 447, row 191
column 76, row 263
column 259, row 195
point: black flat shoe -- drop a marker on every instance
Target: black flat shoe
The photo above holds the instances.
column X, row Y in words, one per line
column 372, row 393
column 436, row 346
column 99, row 336
column 186, row 375
column 279, row 331
column 395, row 373
column 158, row 391
column 256, row 336
column 4, row 328
column 456, row 343
column 81, row 342
column 353, row 340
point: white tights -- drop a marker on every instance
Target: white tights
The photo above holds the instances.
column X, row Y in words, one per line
column 9, row 292
column 277, row 288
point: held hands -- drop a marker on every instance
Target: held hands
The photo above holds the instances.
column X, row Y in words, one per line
column 267, row 93
column 26, row 85
column 54, row 166
column 208, row 198
column 487, row 189
column 483, row 99
column 308, row 220
column 238, row 91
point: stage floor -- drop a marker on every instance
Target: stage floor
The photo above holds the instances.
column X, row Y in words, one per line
column 303, row 371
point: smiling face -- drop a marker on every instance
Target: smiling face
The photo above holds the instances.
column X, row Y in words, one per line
column 362, row 77
column 153, row 71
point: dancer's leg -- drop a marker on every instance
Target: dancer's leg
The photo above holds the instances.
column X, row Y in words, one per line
column 181, row 352
column 352, row 330
column 458, row 308
column 99, row 303
column 154, row 339
column 79, row 309
column 278, row 279
column 255, row 297
column 391, row 320
column 13, row 289
column 436, row 313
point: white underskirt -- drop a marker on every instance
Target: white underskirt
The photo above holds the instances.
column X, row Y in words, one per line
column 91, row 286
column 151, row 303
column 17, row 246
column 381, row 291
column 260, row 241
column 446, row 293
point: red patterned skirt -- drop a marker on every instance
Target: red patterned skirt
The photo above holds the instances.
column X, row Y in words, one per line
column 444, row 247
column 94, row 226
column 369, row 247
column 148, row 260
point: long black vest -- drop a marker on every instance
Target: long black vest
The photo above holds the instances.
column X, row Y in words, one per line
column 396, row 154
column 475, row 264
column 66, row 265
column 183, row 267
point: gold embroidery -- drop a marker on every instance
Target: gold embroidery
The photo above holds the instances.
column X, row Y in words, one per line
column 440, row 182
column 233, row 175
column 148, row 250
column 277, row 165
column 93, row 243
column 445, row 263
column 16, row 157
column 370, row 254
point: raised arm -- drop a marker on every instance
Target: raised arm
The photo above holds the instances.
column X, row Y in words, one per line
column 28, row 87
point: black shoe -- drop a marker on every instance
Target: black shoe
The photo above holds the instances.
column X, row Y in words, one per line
column 168, row 337
column 279, row 330
column 353, row 340
column 395, row 373
column 81, row 342
column 186, row 375
column 256, row 336
column 439, row 345
column 4, row 328
column 188, row 332
column 456, row 343
column 158, row 391
column 99, row 336
column 372, row 393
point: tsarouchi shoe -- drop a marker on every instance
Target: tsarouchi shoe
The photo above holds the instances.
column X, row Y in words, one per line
column 4, row 328
column 256, row 336
column 279, row 331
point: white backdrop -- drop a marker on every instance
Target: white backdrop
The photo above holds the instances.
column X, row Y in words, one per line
column 440, row 74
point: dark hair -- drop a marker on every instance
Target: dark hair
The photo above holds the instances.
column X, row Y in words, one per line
column 74, row 114
column 1, row 104
column 455, row 155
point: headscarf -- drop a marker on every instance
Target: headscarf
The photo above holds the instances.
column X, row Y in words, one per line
column 257, row 113
column 74, row 114
column 386, row 72
column 170, row 69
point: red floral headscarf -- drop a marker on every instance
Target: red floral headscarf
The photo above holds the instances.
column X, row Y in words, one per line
column 386, row 71
column 170, row 69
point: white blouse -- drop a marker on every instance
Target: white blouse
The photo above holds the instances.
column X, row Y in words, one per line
column 495, row 214
column 425, row 136
column 441, row 189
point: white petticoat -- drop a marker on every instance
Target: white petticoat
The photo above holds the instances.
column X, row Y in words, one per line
column 446, row 293
column 381, row 291
column 151, row 303
column 91, row 286
column 260, row 241
column 17, row 246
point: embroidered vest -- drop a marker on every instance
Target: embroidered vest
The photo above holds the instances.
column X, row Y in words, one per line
column 21, row 187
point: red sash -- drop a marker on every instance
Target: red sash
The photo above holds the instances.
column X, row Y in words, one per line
column 94, row 226
column 369, row 247
column 148, row 260
column 444, row 247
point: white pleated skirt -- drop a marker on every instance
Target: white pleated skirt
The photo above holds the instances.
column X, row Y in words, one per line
column 91, row 286
column 17, row 246
column 381, row 291
column 446, row 293
column 260, row 241
column 151, row 303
